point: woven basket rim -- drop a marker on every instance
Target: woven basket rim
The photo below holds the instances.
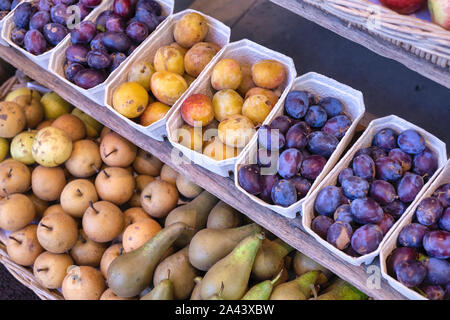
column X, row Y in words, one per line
column 425, row 38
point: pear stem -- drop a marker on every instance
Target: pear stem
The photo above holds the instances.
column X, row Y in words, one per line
column 17, row 240
column 313, row 290
column 92, row 207
column 6, row 193
column 45, row 226
column 95, row 168
column 106, row 173
column 10, row 172
column 107, row 155
column 43, row 269
column 79, row 192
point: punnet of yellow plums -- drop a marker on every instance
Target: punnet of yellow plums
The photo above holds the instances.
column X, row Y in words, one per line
column 155, row 84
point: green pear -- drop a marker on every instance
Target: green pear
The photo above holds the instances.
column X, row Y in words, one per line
column 341, row 290
column 223, row 216
column 300, row 288
column 262, row 290
column 194, row 214
column 54, row 105
column 233, row 271
column 163, row 291
column 270, row 259
column 22, row 145
column 196, row 292
column 131, row 272
column 210, row 245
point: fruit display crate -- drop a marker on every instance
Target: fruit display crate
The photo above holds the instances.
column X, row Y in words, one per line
column 366, row 278
column 442, row 178
column 415, row 42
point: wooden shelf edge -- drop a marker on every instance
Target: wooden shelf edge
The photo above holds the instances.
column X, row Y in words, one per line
column 290, row 231
column 372, row 42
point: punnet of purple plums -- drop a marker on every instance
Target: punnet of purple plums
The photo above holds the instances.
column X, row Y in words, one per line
column 374, row 191
column 41, row 24
column 294, row 148
column 99, row 47
column 420, row 260
column 6, row 6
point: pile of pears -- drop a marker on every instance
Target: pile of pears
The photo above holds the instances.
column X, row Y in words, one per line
column 95, row 217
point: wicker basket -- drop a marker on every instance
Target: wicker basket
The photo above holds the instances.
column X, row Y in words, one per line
column 423, row 38
column 25, row 276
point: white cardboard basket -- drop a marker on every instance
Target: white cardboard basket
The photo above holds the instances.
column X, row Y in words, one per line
column 2, row 41
column 398, row 124
column 43, row 60
column 218, row 33
column 391, row 243
column 244, row 52
column 97, row 93
column 321, row 86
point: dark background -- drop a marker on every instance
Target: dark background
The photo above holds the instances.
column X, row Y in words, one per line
column 388, row 86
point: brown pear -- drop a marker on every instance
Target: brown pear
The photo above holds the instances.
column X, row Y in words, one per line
column 15, row 177
column 54, row 208
column 77, row 195
column 32, row 107
column 23, row 246
column 146, row 163
column 57, row 232
column 83, row 283
column 50, row 269
column 72, row 125
column 16, row 211
column 40, row 206
column 87, row 252
column 12, row 119
column 48, row 183
column 115, row 184
column 168, row 174
column 103, row 221
column 85, row 159
column 158, row 198
column 117, row 151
